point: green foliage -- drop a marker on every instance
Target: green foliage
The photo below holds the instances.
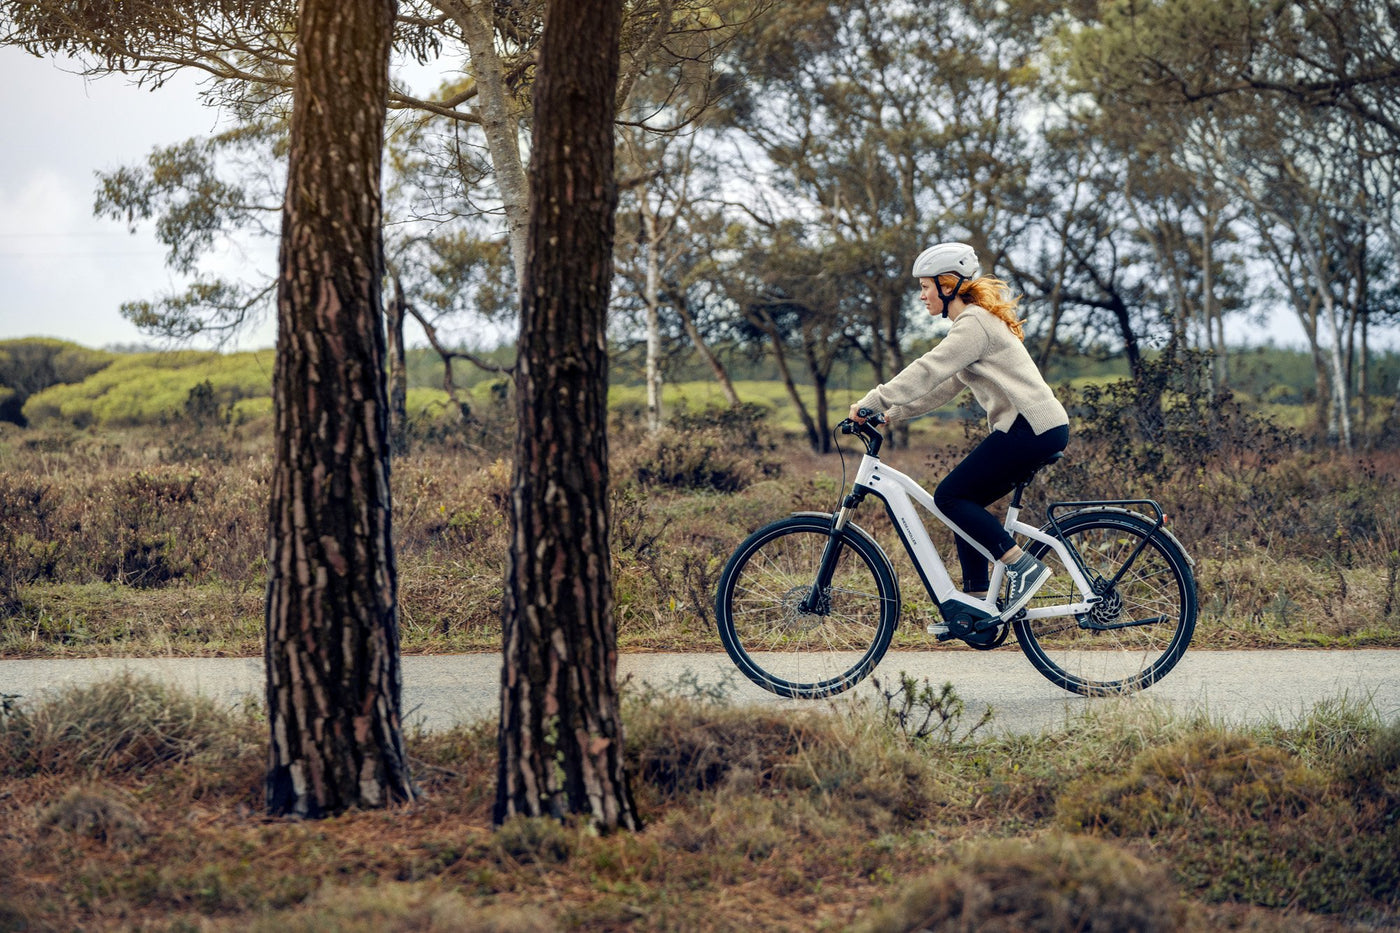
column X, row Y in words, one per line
column 1169, row 420
column 922, row 715
column 153, row 387
column 33, row 364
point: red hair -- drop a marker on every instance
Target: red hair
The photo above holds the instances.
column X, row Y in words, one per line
column 990, row 294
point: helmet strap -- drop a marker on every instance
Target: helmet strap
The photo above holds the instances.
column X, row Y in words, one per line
column 947, row 299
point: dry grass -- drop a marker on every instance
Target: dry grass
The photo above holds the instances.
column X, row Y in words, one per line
column 126, row 806
column 128, row 546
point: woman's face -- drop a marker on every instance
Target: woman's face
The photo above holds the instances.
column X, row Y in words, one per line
column 928, row 294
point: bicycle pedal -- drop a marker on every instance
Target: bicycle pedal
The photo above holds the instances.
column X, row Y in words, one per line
column 945, row 631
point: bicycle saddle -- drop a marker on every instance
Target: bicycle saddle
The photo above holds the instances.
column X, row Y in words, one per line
column 1030, row 474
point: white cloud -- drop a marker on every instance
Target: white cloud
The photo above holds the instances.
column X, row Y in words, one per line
column 66, row 272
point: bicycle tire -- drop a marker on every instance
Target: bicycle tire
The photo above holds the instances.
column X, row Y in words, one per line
column 806, row 655
column 1142, row 626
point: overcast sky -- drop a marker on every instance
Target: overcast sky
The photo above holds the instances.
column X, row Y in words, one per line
column 64, row 272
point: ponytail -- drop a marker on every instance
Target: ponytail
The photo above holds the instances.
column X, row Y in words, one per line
column 992, row 295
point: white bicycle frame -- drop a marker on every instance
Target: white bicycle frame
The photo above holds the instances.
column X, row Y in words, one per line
column 900, row 493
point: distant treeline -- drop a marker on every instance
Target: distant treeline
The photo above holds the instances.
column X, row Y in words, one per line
column 54, row 382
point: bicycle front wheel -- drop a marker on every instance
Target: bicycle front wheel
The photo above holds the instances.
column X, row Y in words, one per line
column 795, row 646
column 1145, row 617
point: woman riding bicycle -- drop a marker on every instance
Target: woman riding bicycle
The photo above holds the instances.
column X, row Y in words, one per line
column 983, row 351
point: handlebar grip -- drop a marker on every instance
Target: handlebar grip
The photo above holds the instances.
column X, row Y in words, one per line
column 869, row 414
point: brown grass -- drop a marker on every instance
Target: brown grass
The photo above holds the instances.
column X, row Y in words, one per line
column 785, row 821
column 129, row 546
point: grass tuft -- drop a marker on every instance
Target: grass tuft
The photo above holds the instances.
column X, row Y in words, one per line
column 127, row 725
column 1044, row 885
column 104, row 814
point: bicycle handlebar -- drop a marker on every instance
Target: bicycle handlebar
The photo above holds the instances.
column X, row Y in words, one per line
column 865, row 430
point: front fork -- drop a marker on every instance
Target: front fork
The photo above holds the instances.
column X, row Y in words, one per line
column 818, row 599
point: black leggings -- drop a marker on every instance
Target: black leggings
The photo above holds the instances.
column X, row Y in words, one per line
column 983, row 477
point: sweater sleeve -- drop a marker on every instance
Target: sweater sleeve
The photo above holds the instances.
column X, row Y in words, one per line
column 929, row 381
column 942, row 394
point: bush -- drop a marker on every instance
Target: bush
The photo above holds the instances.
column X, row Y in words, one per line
column 154, row 387
column 1246, row 822
column 128, row 725
column 31, row 365
column 27, row 550
column 1047, row 885
column 706, row 459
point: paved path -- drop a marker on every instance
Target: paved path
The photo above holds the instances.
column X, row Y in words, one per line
column 442, row 690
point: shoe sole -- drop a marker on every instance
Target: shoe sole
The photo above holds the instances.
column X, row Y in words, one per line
column 1045, row 574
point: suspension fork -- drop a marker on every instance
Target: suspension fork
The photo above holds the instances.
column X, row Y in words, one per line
column 818, row 599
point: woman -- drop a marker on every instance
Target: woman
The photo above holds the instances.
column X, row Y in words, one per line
column 983, row 351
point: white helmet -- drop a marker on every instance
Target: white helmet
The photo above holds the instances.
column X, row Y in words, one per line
column 957, row 259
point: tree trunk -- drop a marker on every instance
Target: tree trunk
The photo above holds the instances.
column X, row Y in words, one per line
column 332, row 652
column 765, row 322
column 499, row 124
column 652, row 298
column 398, row 371
column 716, row 367
column 560, row 731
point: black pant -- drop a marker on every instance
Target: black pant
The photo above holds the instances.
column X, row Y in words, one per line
column 983, row 477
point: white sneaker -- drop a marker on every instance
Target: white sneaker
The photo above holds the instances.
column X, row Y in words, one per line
column 1024, row 576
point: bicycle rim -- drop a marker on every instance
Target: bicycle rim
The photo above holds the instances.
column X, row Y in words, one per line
column 1143, row 623
column 805, row 654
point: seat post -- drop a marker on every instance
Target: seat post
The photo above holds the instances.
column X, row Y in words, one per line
column 1025, row 481
column 1016, row 494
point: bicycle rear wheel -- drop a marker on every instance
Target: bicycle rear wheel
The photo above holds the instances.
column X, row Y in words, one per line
column 797, row 653
column 1143, row 622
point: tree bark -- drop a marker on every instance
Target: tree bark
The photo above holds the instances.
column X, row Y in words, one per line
column 651, row 296
column 560, row 732
column 332, row 649
column 395, row 314
column 499, row 121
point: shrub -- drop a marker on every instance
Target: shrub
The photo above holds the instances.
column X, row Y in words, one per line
column 679, row 746
column 1253, row 823
column 152, row 514
column 151, row 387
column 704, row 459
column 27, row 549
column 125, row 725
column 1051, row 884
column 31, row 365
column 104, row 814
column 1206, row 775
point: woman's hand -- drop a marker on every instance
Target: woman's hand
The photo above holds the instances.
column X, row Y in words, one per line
column 859, row 419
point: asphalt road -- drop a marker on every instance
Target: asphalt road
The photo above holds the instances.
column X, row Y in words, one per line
column 1233, row 687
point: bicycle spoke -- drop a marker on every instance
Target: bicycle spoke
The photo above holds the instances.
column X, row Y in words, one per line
column 764, row 590
column 1139, row 626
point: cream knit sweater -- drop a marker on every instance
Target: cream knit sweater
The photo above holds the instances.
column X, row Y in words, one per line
column 982, row 354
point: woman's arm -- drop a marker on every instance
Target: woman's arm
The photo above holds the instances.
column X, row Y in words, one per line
column 929, row 376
